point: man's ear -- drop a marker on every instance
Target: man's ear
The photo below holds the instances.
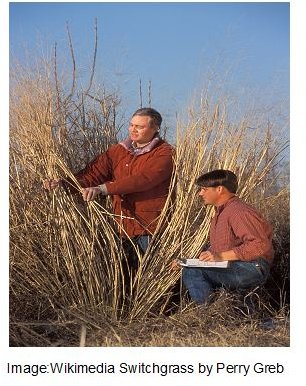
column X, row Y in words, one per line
column 224, row 190
column 220, row 189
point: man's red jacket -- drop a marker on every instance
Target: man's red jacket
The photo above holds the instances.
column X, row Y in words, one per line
column 138, row 184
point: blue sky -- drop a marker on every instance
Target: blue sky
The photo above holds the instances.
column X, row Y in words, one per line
column 173, row 45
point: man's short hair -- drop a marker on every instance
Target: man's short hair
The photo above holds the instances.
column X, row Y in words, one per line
column 220, row 177
column 152, row 113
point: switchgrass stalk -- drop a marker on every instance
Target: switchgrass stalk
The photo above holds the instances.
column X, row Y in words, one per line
column 67, row 254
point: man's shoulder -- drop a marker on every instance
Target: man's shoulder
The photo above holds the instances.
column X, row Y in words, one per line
column 237, row 202
column 165, row 146
column 116, row 148
column 237, row 207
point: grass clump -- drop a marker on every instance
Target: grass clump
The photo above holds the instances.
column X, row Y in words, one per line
column 66, row 256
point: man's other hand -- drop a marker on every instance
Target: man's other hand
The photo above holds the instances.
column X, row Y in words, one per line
column 174, row 266
column 90, row 194
column 208, row 256
column 51, row 184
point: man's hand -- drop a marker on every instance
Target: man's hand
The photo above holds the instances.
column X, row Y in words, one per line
column 220, row 256
column 90, row 194
column 51, row 183
column 208, row 256
column 175, row 266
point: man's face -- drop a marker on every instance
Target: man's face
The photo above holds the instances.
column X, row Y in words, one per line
column 140, row 129
column 210, row 195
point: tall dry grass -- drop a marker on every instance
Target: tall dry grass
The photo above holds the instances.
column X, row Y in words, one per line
column 66, row 258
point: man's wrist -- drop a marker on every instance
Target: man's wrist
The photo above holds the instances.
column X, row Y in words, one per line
column 227, row 255
column 103, row 189
column 218, row 256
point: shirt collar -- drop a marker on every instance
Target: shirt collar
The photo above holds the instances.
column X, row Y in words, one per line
column 129, row 145
column 220, row 208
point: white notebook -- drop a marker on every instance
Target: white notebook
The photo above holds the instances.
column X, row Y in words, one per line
column 196, row 263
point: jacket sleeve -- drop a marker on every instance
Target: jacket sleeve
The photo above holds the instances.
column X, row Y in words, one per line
column 95, row 173
column 255, row 235
column 157, row 169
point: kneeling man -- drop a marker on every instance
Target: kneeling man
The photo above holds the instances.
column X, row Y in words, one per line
column 238, row 233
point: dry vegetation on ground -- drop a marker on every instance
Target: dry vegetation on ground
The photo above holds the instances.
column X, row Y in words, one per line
column 65, row 269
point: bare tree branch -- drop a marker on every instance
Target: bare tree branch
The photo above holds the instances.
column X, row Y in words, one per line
column 56, row 77
column 94, row 58
column 150, row 93
column 73, row 64
column 140, row 93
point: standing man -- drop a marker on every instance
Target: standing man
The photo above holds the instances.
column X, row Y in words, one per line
column 238, row 233
column 136, row 173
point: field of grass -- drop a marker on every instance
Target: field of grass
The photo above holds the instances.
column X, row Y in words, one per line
column 66, row 282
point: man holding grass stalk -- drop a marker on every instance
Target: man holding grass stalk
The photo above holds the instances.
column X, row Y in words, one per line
column 238, row 234
column 136, row 173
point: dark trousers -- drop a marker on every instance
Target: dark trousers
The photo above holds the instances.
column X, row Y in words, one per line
column 240, row 275
column 132, row 249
